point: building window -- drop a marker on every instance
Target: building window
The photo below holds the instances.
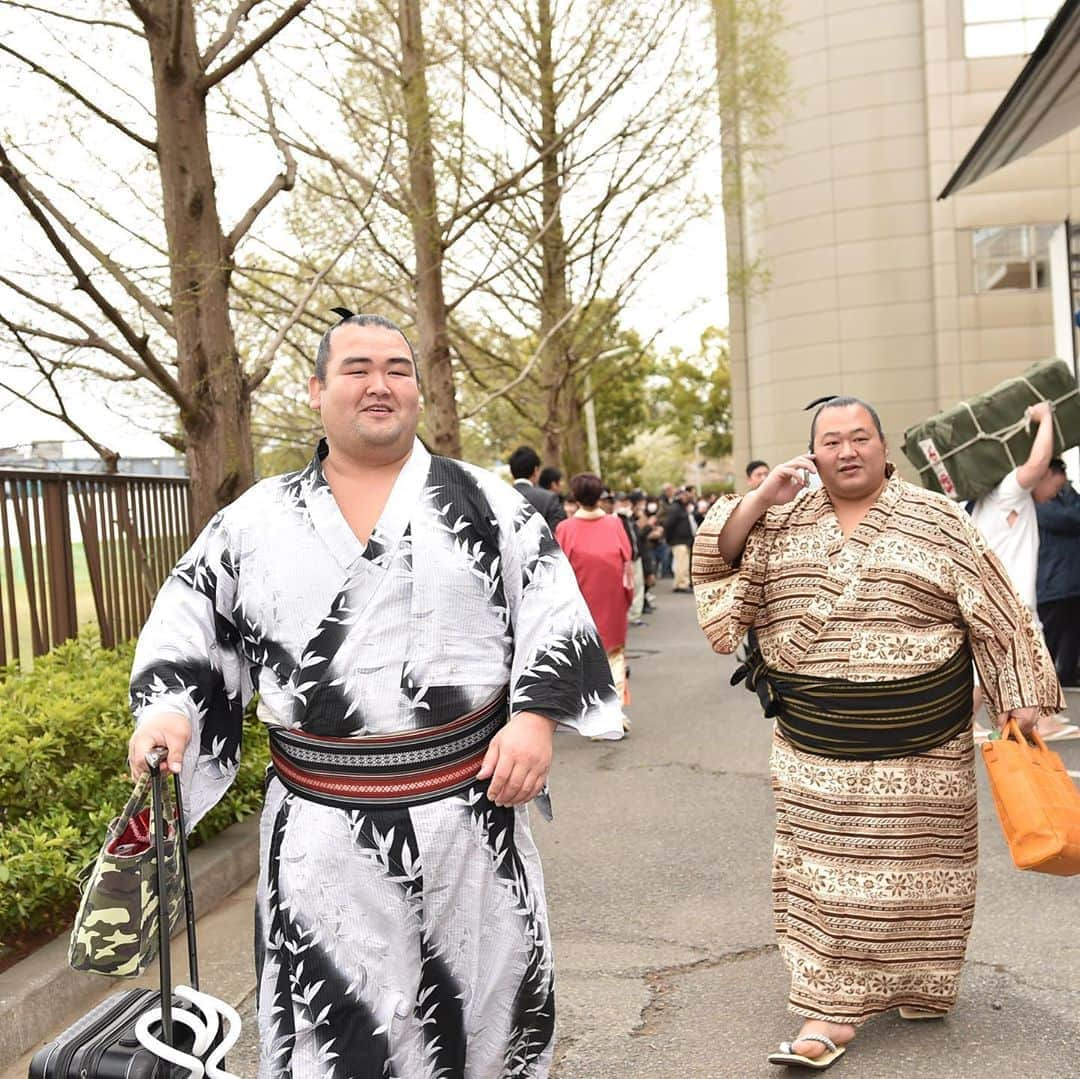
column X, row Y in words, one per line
column 1005, row 27
column 1012, row 257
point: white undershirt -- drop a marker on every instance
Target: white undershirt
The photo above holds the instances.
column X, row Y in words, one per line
column 1017, row 545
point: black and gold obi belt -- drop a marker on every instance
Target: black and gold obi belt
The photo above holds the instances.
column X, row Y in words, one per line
column 833, row 717
column 387, row 771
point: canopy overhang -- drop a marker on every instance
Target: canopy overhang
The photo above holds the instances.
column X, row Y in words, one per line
column 1042, row 104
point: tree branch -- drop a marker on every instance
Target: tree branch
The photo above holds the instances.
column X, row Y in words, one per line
column 92, row 340
column 266, row 361
column 71, row 18
column 212, row 78
column 110, row 457
column 236, row 17
column 106, row 263
column 527, row 369
column 284, row 181
column 81, row 98
column 139, row 344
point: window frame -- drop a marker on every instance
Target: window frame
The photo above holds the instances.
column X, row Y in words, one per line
column 1022, row 22
column 1036, row 257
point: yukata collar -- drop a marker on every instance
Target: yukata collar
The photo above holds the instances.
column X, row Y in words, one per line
column 330, row 523
column 838, row 583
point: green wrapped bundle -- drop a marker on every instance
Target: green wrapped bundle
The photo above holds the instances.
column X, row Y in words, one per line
column 968, row 450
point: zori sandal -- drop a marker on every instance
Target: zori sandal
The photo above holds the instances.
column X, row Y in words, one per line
column 787, row 1055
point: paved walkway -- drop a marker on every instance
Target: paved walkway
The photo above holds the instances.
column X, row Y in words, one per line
column 657, row 867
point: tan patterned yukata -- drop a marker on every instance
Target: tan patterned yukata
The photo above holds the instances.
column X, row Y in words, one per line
column 874, row 861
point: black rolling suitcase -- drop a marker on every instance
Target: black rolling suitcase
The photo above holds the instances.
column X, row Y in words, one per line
column 102, row 1044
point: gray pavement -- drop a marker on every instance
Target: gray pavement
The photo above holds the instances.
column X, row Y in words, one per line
column 657, row 869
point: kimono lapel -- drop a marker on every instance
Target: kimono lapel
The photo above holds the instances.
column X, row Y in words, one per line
column 326, row 517
column 329, row 522
column 404, row 501
column 841, row 578
column 344, row 626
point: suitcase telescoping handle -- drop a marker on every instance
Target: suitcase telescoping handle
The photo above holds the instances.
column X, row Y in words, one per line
column 153, row 760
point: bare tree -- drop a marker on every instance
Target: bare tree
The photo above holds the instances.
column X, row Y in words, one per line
column 410, row 199
column 152, row 269
column 515, row 166
column 613, row 96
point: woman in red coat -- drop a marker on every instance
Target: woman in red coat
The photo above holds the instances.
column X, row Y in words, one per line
column 599, row 550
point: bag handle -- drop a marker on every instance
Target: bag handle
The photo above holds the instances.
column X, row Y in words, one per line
column 153, row 761
column 1033, row 742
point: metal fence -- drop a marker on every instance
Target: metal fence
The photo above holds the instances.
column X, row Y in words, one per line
column 78, row 547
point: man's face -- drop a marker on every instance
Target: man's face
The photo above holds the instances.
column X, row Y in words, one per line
column 754, row 480
column 1049, row 487
column 370, row 400
column 849, row 452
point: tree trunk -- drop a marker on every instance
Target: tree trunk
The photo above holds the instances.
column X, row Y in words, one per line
column 575, row 451
column 436, row 367
column 217, row 428
column 726, row 43
column 554, row 304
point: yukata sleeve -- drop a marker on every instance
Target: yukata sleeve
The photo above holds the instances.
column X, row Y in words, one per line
column 559, row 667
column 188, row 660
column 1014, row 665
column 728, row 596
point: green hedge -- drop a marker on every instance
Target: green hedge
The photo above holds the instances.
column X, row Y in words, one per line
column 64, row 728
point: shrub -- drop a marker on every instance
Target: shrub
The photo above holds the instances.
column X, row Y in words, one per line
column 64, row 728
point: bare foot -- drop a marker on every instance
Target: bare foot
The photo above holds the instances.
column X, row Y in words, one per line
column 839, row 1033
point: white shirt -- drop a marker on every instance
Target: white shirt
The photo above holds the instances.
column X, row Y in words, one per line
column 1016, row 544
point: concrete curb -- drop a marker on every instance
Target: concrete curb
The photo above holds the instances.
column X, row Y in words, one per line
column 38, row 992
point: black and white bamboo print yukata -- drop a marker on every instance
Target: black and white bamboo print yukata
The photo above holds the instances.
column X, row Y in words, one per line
column 407, row 942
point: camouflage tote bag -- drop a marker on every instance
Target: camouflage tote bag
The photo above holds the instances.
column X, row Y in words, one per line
column 116, row 928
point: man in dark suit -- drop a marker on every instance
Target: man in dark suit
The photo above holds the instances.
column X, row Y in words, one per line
column 525, row 468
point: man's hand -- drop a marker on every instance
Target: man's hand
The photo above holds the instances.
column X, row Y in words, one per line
column 518, row 759
column 1041, row 411
column 1026, row 718
column 785, row 482
column 171, row 730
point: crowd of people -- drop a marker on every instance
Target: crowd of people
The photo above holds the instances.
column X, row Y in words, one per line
column 619, row 543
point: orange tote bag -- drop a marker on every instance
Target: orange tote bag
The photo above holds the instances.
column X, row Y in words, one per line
column 1036, row 801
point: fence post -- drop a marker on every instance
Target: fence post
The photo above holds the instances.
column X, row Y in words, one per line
column 61, row 566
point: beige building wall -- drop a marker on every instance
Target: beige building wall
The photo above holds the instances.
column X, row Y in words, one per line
column 868, row 283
